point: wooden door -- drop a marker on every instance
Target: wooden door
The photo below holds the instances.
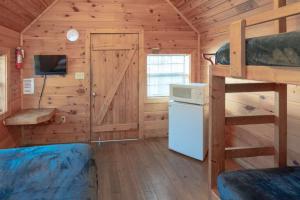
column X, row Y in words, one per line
column 115, row 89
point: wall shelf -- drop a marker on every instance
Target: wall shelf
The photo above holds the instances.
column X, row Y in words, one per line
column 30, row 117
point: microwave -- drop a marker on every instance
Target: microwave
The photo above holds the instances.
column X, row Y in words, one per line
column 194, row 93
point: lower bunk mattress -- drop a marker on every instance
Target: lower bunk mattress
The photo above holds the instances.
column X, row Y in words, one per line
column 274, row 50
column 56, row 172
column 266, row 184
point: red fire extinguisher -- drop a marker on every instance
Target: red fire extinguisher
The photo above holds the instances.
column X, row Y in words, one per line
column 19, row 57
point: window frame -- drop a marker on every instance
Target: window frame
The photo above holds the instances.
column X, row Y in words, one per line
column 6, row 52
column 163, row 99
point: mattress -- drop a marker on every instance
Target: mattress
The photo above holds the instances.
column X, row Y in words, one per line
column 275, row 50
column 56, row 172
column 267, row 184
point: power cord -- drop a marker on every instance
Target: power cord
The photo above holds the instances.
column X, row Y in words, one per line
column 42, row 92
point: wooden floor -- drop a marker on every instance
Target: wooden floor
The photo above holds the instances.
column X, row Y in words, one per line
column 148, row 170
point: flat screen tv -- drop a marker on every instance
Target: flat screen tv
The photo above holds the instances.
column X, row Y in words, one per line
column 50, row 64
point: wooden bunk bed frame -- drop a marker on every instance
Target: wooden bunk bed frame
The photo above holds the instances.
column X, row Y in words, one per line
column 276, row 79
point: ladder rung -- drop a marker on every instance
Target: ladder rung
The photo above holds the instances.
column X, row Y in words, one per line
column 244, row 120
column 242, row 152
column 249, row 87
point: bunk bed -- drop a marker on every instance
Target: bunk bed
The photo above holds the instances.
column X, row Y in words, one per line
column 61, row 172
column 269, row 184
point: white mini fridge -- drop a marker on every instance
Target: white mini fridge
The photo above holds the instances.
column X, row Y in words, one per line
column 188, row 133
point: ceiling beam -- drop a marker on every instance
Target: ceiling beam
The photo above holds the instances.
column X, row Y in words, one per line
column 182, row 16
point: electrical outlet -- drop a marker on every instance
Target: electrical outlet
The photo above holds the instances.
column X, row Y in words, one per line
column 79, row 75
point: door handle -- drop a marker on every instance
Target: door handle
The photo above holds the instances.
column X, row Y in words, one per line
column 94, row 94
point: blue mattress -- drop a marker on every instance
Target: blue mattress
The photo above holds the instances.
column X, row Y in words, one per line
column 267, row 184
column 56, row 172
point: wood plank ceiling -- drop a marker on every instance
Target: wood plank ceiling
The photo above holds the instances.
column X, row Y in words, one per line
column 17, row 14
column 205, row 14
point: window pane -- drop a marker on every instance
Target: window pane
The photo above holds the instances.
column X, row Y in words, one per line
column 163, row 70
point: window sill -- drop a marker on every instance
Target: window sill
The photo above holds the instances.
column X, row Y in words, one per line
column 157, row 100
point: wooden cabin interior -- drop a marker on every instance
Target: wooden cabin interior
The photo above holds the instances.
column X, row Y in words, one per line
column 150, row 99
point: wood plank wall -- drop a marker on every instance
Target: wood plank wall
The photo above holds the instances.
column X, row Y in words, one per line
column 11, row 137
column 163, row 28
column 213, row 18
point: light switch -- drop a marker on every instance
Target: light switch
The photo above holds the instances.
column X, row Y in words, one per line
column 79, row 75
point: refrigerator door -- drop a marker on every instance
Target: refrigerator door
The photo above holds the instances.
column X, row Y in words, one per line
column 186, row 130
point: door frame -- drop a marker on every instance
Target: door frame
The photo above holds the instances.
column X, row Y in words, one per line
column 141, row 71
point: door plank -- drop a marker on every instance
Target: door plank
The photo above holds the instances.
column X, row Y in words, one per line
column 116, row 127
column 123, row 110
column 111, row 93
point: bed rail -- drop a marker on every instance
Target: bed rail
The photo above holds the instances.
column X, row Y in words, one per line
column 238, row 67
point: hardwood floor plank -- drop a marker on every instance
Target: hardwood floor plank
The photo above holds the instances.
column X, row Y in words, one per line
column 148, row 170
column 187, row 170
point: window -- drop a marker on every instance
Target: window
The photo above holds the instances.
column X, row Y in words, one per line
column 163, row 70
column 3, row 82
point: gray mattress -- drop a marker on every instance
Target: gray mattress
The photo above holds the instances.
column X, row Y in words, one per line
column 274, row 50
column 56, row 172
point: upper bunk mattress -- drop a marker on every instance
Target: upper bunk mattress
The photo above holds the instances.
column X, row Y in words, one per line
column 56, row 172
column 275, row 50
column 267, row 184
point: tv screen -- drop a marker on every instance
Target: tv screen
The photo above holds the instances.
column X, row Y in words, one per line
column 50, row 64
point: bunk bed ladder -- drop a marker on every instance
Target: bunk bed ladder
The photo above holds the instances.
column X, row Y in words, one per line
column 279, row 119
column 219, row 153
